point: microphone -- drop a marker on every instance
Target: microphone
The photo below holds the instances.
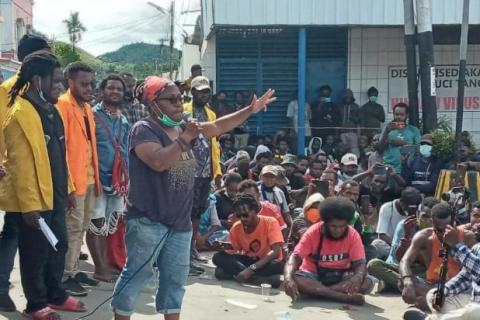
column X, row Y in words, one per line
column 187, row 116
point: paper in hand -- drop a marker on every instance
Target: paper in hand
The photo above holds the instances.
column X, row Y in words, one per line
column 47, row 232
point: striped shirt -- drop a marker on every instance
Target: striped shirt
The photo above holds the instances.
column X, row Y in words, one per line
column 468, row 279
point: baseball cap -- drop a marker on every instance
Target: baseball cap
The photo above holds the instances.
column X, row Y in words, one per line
column 200, row 83
column 427, row 138
column 349, row 159
column 269, row 169
column 281, row 176
column 243, row 156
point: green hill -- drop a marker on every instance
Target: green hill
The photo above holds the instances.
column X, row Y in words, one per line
column 84, row 55
column 138, row 53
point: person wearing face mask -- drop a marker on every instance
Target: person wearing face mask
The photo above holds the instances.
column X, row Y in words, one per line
column 325, row 114
column 422, row 171
column 161, row 195
column 372, row 114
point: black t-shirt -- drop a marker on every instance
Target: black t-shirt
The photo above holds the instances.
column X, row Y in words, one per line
column 55, row 139
column 224, row 205
column 296, row 182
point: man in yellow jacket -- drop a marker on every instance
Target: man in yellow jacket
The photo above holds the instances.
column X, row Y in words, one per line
column 9, row 234
column 207, row 153
column 36, row 185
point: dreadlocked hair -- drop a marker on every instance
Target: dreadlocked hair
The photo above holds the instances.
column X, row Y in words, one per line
column 246, row 200
column 39, row 63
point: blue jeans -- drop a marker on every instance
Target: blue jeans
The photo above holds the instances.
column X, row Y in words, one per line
column 8, row 250
column 171, row 252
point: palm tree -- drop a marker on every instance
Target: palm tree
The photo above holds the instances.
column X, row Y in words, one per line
column 75, row 28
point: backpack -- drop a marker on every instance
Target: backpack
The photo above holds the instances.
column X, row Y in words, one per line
column 120, row 181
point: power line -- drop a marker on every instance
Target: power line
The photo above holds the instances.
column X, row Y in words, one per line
column 116, row 26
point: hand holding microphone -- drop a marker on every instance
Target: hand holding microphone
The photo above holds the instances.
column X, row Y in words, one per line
column 194, row 129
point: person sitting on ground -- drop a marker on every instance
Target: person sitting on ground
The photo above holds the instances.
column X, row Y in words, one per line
column 376, row 156
column 314, row 146
column 227, row 145
column 388, row 271
column 263, row 157
column 421, row 172
column 351, row 190
column 462, row 292
column 283, row 147
column 302, row 164
column 270, row 192
column 364, row 150
column 374, row 182
column 329, row 147
column 224, row 198
column 474, row 217
column 391, row 213
column 210, row 229
column 425, row 248
column 316, row 168
column 242, row 165
column 290, row 165
column 254, row 250
column 348, row 168
column 398, row 134
column 331, row 177
column 309, row 216
column 329, row 262
column 266, row 208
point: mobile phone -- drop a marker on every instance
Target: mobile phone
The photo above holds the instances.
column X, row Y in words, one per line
column 321, row 187
column 408, row 149
column 380, row 169
column 365, row 203
column 223, row 245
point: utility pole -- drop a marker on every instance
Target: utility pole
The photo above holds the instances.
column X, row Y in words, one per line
column 462, row 68
column 410, row 46
column 427, row 66
column 172, row 30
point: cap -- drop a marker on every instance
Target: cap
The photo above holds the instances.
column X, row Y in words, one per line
column 153, row 86
column 269, row 169
column 200, row 83
column 349, row 159
column 427, row 138
column 289, row 159
column 281, row 176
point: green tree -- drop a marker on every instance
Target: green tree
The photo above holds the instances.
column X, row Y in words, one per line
column 74, row 28
column 65, row 53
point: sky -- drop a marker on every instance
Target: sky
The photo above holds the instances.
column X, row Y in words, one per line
column 112, row 23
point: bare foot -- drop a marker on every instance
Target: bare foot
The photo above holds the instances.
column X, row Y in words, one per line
column 356, row 299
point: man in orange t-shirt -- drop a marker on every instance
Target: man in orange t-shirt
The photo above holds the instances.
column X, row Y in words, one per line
column 254, row 252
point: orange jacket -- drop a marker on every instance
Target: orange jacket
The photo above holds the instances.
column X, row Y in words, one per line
column 76, row 140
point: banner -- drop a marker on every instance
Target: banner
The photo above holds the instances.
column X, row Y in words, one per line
column 446, row 83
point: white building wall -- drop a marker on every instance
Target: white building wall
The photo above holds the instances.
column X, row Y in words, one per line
column 208, row 60
column 7, row 27
column 190, row 56
column 373, row 50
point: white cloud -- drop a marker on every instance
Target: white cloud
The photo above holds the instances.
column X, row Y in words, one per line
column 110, row 23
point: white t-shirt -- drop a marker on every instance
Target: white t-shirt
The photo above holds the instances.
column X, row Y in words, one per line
column 292, row 112
column 388, row 219
column 276, row 197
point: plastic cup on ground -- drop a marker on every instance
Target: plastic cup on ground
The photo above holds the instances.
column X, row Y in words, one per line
column 266, row 291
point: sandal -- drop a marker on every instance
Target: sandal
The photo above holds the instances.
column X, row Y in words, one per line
column 46, row 313
column 71, row 304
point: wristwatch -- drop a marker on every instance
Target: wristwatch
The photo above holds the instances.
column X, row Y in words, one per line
column 253, row 267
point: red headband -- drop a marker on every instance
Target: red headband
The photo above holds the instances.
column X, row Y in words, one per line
column 154, row 86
